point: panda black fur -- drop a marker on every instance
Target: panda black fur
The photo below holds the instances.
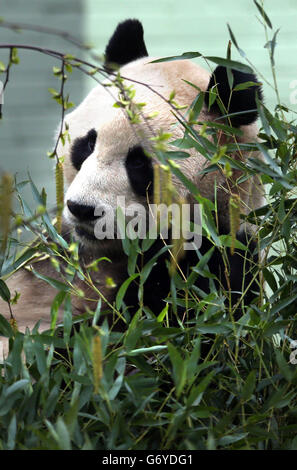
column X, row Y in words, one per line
column 106, row 157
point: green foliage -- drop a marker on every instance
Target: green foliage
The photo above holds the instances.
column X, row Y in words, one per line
column 212, row 382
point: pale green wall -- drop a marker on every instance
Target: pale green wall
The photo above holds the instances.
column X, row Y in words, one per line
column 30, row 116
column 175, row 26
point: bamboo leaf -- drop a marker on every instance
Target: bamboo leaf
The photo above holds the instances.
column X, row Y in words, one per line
column 122, row 290
column 263, row 14
column 232, row 64
column 249, row 386
column 4, row 291
column 185, row 55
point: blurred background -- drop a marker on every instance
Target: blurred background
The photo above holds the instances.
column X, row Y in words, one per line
column 31, row 116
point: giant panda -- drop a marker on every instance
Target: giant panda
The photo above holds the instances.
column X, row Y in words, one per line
column 106, row 156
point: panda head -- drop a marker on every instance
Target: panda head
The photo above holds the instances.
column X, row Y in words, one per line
column 106, row 157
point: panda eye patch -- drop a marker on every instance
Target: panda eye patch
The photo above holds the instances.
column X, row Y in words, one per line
column 82, row 148
column 136, row 158
column 140, row 171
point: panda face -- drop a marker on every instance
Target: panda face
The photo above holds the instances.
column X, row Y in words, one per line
column 104, row 183
column 107, row 156
column 106, row 161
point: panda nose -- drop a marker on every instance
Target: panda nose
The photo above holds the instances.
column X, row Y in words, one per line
column 82, row 211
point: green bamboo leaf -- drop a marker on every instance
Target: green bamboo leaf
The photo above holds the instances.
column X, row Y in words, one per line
column 241, row 52
column 270, row 279
column 271, row 46
column 261, row 111
column 197, row 392
column 5, row 328
column 163, row 314
column 270, row 160
column 16, row 387
column 227, row 241
column 197, row 105
column 279, row 306
column 192, row 85
column 56, row 304
column 14, row 264
column 14, row 56
column 40, row 356
column 212, row 96
column 245, row 86
column 122, row 290
column 263, row 14
column 275, row 398
column 40, row 199
column 232, row 64
column 148, row 350
column 223, row 329
column 52, row 282
column 230, row 439
column 4, row 291
column 151, row 263
column 275, row 327
column 134, row 332
column 52, row 400
column 11, row 433
column 249, row 386
column 64, row 440
column 185, row 55
column 179, row 369
column 177, row 155
column 67, row 317
column 193, row 361
column 284, row 366
column 116, row 386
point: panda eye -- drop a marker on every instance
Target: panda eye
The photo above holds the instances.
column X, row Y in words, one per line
column 136, row 158
column 136, row 162
column 92, row 141
column 139, row 171
column 82, row 148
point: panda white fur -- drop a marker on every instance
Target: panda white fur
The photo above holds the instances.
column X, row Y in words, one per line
column 105, row 158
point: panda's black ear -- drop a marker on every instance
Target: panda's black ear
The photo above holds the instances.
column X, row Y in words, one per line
column 126, row 44
column 240, row 101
